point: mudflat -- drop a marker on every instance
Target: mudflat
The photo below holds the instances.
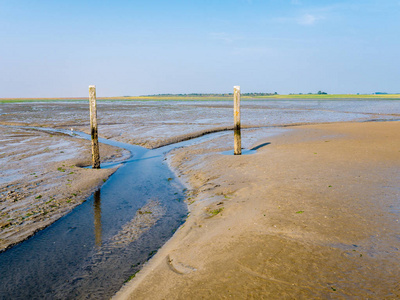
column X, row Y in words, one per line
column 43, row 179
column 313, row 214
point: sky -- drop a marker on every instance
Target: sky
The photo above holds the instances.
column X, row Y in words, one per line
column 52, row 48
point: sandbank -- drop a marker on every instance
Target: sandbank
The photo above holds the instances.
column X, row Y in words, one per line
column 313, row 214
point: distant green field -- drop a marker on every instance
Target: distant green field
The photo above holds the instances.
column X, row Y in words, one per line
column 213, row 98
column 333, row 96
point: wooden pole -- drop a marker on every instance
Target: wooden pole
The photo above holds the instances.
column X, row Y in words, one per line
column 236, row 118
column 93, row 127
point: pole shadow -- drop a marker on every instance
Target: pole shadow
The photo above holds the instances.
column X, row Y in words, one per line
column 260, row 146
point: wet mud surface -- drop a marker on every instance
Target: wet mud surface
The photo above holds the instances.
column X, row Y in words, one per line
column 154, row 124
column 42, row 179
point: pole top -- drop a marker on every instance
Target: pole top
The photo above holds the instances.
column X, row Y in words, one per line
column 237, row 87
column 92, row 86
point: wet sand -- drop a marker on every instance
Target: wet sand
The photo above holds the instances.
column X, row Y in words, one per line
column 314, row 214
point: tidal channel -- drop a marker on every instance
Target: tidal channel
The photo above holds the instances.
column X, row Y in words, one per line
column 102, row 243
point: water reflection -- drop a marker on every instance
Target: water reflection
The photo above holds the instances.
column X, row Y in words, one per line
column 97, row 217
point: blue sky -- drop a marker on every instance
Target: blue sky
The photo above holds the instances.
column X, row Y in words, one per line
column 59, row 48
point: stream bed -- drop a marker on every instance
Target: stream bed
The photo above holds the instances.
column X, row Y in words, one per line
column 102, row 243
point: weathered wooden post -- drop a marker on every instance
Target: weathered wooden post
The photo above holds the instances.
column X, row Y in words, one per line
column 93, row 127
column 236, row 118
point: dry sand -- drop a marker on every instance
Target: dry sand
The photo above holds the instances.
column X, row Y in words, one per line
column 42, row 179
column 312, row 215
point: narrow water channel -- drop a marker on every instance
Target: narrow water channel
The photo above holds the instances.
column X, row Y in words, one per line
column 92, row 251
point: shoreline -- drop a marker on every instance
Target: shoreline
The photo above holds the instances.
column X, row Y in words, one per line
column 231, row 231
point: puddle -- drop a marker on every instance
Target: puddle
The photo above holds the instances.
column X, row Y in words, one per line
column 244, row 152
column 12, row 176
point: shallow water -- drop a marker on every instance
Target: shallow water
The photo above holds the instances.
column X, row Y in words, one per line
column 244, row 152
column 144, row 121
column 90, row 253
column 76, row 257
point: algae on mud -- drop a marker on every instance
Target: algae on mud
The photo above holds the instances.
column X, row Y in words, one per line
column 42, row 180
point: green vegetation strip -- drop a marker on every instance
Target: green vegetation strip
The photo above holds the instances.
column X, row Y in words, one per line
column 216, row 97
